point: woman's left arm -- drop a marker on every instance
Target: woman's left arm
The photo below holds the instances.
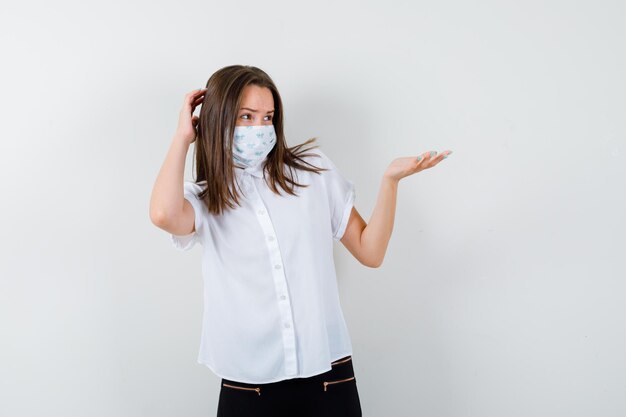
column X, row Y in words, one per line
column 368, row 241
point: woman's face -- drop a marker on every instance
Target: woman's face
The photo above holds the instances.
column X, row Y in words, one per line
column 257, row 106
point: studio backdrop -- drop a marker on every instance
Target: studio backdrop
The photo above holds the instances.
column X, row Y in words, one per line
column 502, row 292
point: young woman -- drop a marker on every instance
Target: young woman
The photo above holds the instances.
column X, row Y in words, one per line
column 266, row 216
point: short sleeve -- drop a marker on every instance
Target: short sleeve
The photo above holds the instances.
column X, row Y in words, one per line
column 341, row 195
column 186, row 242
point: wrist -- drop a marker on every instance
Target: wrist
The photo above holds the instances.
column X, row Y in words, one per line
column 180, row 139
column 388, row 179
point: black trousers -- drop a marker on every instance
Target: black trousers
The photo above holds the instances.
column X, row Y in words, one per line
column 330, row 394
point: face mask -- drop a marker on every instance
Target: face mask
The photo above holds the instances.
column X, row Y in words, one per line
column 251, row 144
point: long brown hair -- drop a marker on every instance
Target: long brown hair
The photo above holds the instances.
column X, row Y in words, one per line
column 213, row 145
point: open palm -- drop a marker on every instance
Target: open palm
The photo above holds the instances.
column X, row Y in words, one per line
column 408, row 165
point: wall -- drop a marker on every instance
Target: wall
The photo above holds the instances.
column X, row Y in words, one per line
column 502, row 292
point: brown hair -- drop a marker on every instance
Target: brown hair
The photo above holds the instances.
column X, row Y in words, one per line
column 213, row 144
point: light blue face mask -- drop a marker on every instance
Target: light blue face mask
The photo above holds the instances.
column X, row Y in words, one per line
column 251, row 144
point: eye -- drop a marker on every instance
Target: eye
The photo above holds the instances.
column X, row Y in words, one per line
column 248, row 118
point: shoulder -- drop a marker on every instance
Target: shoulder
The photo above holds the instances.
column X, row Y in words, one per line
column 317, row 157
column 324, row 161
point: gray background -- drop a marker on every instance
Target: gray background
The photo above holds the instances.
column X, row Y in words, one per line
column 502, row 292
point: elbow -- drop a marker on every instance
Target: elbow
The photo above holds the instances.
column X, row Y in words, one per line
column 373, row 263
column 377, row 264
column 158, row 217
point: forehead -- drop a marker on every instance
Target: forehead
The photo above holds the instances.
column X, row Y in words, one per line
column 257, row 98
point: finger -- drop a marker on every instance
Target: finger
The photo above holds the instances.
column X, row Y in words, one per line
column 192, row 95
column 440, row 158
column 426, row 156
column 194, row 105
column 200, row 92
column 198, row 100
column 430, row 159
column 437, row 159
column 196, row 91
column 190, row 107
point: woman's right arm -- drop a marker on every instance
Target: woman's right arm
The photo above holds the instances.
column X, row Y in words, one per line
column 169, row 210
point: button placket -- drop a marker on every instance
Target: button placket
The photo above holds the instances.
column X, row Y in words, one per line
column 280, row 284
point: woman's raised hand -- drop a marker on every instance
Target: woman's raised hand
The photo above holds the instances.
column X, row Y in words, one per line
column 186, row 129
column 408, row 165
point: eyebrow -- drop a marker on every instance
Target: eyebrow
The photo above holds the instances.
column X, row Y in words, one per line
column 253, row 110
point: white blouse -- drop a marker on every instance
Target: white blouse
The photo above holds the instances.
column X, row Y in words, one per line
column 271, row 302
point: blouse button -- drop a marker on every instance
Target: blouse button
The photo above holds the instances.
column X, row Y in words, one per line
column 270, row 238
column 277, row 266
column 282, row 297
column 287, row 325
column 261, row 211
